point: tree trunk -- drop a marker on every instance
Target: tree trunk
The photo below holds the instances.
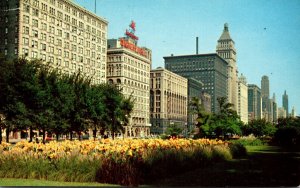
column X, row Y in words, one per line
column 56, row 136
column 7, row 134
column 44, row 135
column 31, row 134
column 0, row 134
column 71, row 135
column 79, row 135
column 95, row 133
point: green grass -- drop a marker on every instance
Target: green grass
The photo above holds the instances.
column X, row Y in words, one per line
column 33, row 182
column 264, row 166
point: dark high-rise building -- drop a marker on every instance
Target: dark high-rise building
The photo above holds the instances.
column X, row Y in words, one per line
column 285, row 103
column 210, row 69
column 265, row 92
column 254, row 102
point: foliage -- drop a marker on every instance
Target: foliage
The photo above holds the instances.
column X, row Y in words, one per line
column 288, row 137
column 224, row 123
column 37, row 97
column 126, row 162
column 174, row 130
column 259, row 127
column 250, row 140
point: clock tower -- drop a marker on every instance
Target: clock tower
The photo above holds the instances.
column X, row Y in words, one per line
column 226, row 50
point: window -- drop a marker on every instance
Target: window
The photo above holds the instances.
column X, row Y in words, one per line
column 59, row 42
column 35, row 33
column 26, row 19
column 26, row 8
column 25, row 41
column 59, row 32
column 44, row 26
column 35, row 12
column 26, row 30
column 43, row 36
column 34, row 54
column 43, row 47
column 5, row 41
column 34, row 44
column 25, row 51
column 51, row 39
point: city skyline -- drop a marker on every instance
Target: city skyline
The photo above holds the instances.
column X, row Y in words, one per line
column 265, row 34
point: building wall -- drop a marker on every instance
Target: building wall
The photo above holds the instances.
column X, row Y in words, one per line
column 60, row 32
column 210, row 69
column 254, row 102
column 243, row 99
column 168, row 100
column 131, row 72
column 285, row 103
column 226, row 50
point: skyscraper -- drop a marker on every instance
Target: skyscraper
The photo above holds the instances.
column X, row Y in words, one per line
column 243, row 98
column 226, row 50
column 265, row 93
column 60, row 32
column 285, row 103
column 254, row 102
column 210, row 69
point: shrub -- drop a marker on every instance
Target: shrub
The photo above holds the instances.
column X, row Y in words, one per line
column 288, row 137
column 250, row 140
column 126, row 162
column 237, row 150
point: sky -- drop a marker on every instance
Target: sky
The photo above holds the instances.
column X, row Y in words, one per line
column 266, row 34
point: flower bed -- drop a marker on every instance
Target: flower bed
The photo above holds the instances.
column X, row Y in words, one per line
column 125, row 162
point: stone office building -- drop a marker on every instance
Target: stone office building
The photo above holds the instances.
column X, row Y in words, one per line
column 128, row 66
column 168, row 101
column 60, row 32
column 254, row 102
column 210, row 69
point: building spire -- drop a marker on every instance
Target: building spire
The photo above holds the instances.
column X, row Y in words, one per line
column 225, row 35
column 226, row 27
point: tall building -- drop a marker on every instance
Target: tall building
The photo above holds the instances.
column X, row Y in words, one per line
column 275, row 109
column 226, row 50
column 243, row 98
column 210, row 69
column 293, row 113
column 194, row 90
column 265, row 95
column 168, row 100
column 254, row 102
column 60, row 32
column 281, row 112
column 285, row 103
column 128, row 66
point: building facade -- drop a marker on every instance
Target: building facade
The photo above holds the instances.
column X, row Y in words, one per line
column 281, row 112
column 226, row 50
column 194, row 90
column 285, row 103
column 128, row 66
column 210, row 69
column 168, row 100
column 243, row 99
column 59, row 32
column 254, row 102
column 267, row 103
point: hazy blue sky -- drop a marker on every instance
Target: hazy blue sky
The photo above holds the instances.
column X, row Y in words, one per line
column 266, row 34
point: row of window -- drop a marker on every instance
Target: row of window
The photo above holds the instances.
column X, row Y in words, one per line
column 57, row 8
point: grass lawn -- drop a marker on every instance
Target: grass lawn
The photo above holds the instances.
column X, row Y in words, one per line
column 32, row 182
column 264, row 166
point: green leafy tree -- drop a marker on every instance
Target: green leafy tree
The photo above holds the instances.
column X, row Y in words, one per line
column 226, row 122
column 259, row 127
column 202, row 117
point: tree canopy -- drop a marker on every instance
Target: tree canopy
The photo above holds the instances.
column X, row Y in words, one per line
column 35, row 96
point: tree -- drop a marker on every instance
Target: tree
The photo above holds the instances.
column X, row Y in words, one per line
column 202, row 117
column 259, row 127
column 226, row 122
